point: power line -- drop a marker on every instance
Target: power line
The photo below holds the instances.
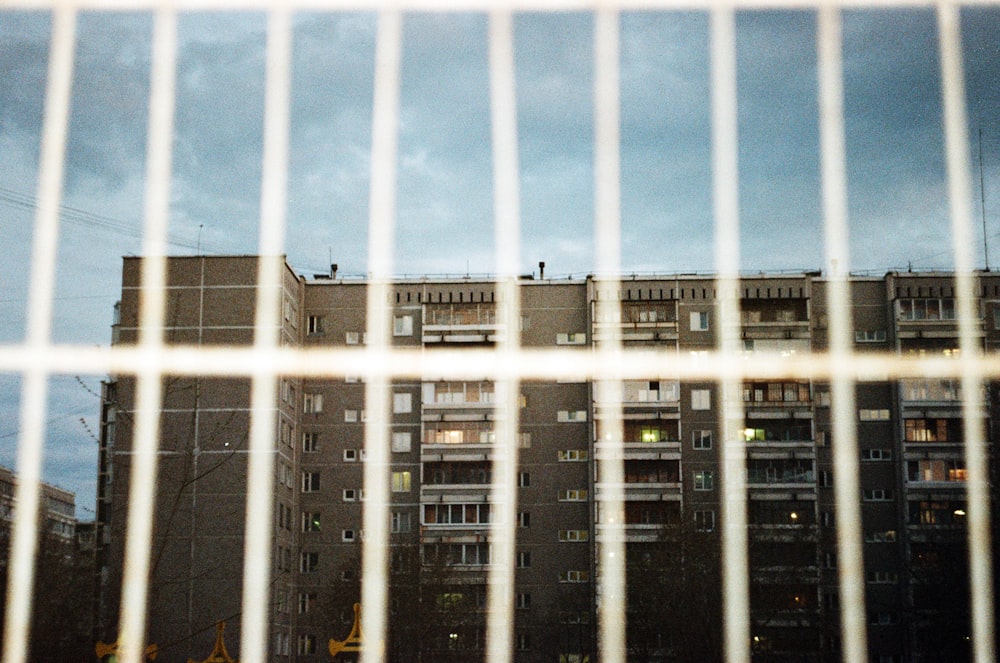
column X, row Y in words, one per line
column 83, row 217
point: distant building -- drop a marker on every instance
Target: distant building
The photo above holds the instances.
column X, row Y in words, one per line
column 912, row 471
column 64, row 593
column 58, row 508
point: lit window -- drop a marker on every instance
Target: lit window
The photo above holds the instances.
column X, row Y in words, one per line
column 400, row 482
column 310, row 522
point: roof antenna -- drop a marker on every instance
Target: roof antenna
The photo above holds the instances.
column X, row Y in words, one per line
column 541, row 270
column 202, row 225
column 982, row 202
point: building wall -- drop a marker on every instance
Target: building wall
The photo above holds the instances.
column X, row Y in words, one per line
column 911, row 482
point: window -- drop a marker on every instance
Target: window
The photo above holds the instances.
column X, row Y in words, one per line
column 704, row 480
column 572, row 455
column 352, row 338
column 524, row 519
column 880, row 536
column 574, row 576
column 882, row 577
column 926, row 309
column 523, row 641
column 523, row 479
column 347, row 535
column 402, row 441
column 878, row 495
column 284, row 517
column 523, row 559
column 350, row 495
column 701, row 399
column 307, row 601
column 350, row 416
column 307, row 644
column 310, row 521
column 310, row 482
column 523, row 600
column 873, row 414
column 876, row 454
column 704, row 521
column 402, row 403
column 870, row 336
column 310, row 442
column 281, row 644
column 701, row 439
column 314, row 324
column 350, row 455
column 312, row 403
column 572, row 495
column 699, row 320
column 883, row 619
column 931, row 430
column 571, row 415
column 402, row 325
column 401, row 522
column 400, row 482
column 286, row 476
column 308, row 562
column 571, row 535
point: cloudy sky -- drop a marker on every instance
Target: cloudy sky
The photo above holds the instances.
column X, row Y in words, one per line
column 893, row 119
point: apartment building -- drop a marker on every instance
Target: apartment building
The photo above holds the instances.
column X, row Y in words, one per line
column 911, row 464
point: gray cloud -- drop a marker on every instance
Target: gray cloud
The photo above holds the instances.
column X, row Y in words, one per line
column 897, row 200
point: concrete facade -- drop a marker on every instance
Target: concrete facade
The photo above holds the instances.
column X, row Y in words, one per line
column 911, row 461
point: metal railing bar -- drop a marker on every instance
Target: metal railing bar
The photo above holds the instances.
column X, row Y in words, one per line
column 725, row 203
column 506, row 205
column 956, row 143
column 846, row 477
column 258, row 536
column 24, row 542
column 381, row 235
column 610, row 559
column 152, row 311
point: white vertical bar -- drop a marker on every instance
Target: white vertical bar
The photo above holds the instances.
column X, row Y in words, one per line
column 152, row 297
column 506, row 206
column 258, row 535
column 725, row 188
column 956, row 139
column 850, row 559
column 611, row 579
column 21, row 572
column 381, row 228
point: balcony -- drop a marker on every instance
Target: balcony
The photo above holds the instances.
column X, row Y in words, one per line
column 461, row 323
column 775, row 318
column 780, row 473
column 646, row 322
